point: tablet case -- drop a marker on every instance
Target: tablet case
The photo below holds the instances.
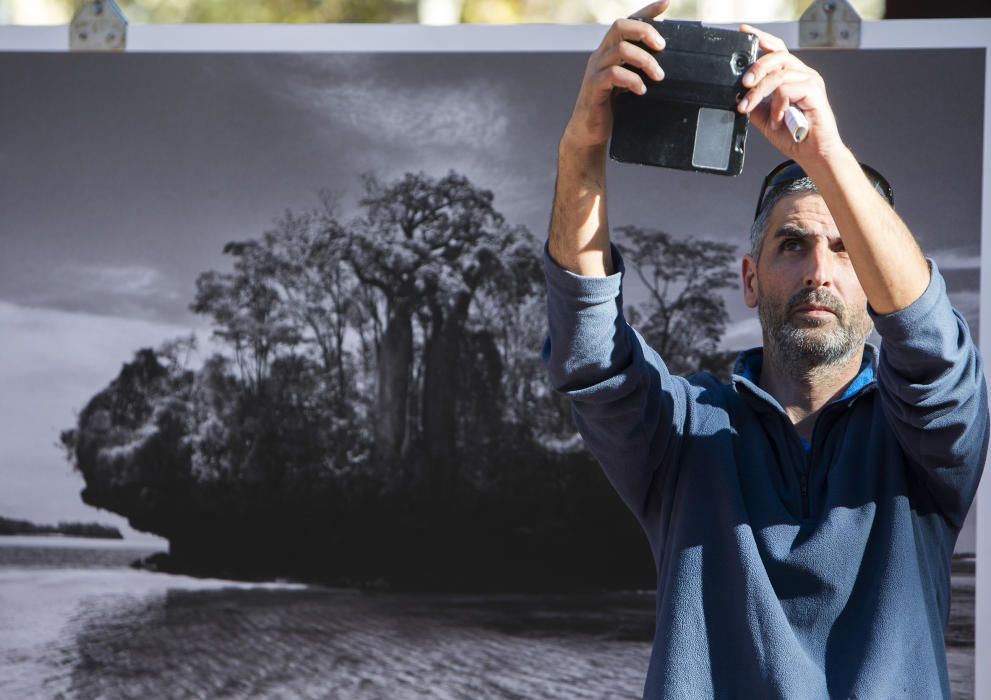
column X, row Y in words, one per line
column 688, row 120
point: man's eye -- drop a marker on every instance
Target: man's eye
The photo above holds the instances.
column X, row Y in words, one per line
column 792, row 244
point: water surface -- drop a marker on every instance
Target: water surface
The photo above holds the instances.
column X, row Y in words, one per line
column 78, row 623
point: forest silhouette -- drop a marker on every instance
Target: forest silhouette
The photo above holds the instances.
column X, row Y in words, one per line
column 380, row 416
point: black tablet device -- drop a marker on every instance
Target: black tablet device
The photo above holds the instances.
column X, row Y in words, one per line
column 688, row 120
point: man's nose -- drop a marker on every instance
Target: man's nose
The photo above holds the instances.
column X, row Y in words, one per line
column 820, row 267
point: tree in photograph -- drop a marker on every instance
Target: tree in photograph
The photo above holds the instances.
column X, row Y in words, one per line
column 446, row 414
column 247, row 311
column 684, row 315
column 463, row 367
column 303, row 258
column 423, row 243
column 512, row 307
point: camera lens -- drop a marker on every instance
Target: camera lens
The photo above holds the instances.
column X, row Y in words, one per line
column 740, row 63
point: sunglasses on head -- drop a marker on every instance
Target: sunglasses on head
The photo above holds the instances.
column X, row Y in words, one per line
column 789, row 171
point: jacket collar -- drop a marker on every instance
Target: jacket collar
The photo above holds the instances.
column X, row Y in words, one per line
column 746, row 374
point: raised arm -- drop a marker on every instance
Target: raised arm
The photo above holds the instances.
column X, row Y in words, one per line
column 930, row 375
column 883, row 252
column 628, row 408
column 579, row 229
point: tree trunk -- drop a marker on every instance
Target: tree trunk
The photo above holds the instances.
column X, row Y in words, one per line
column 342, row 389
column 441, row 388
column 394, row 362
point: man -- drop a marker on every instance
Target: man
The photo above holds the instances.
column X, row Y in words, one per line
column 802, row 518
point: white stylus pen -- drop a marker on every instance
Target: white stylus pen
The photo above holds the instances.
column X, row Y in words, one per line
column 798, row 125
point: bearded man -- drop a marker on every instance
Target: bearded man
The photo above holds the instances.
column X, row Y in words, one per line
column 802, row 518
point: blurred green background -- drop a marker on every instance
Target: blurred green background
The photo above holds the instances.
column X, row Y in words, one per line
column 425, row 11
column 468, row 11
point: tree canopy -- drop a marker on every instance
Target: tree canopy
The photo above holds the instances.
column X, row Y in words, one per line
column 380, row 382
column 685, row 315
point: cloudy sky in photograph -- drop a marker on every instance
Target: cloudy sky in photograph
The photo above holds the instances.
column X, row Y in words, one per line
column 122, row 177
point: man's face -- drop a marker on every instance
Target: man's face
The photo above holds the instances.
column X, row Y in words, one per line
column 812, row 309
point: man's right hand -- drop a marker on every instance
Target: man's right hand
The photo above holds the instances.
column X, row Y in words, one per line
column 591, row 122
column 579, row 230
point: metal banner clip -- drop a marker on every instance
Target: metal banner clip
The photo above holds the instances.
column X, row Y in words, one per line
column 98, row 25
column 829, row 24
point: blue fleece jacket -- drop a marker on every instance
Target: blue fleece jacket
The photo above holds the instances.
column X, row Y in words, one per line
column 781, row 572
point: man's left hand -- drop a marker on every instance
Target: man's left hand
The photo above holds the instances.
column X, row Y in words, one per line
column 777, row 80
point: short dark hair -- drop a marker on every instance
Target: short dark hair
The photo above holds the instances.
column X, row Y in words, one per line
column 759, row 228
column 789, row 178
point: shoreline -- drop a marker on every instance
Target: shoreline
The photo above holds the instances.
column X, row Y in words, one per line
column 75, row 541
column 152, row 555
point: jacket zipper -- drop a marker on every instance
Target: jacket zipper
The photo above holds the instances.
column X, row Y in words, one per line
column 809, row 460
column 803, row 477
column 804, row 480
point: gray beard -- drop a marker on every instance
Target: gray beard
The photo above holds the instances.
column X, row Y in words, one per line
column 817, row 345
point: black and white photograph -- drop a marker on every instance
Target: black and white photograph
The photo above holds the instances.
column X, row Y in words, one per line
column 275, row 422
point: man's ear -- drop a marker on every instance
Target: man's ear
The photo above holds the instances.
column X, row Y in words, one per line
column 749, row 275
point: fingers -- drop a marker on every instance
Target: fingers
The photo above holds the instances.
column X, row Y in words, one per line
column 633, row 30
column 770, row 114
column 607, row 66
column 652, row 10
column 626, row 54
column 768, row 42
column 784, row 97
column 606, row 72
column 775, row 68
column 778, row 106
column 779, row 80
column 768, row 85
column 769, row 63
column 617, row 77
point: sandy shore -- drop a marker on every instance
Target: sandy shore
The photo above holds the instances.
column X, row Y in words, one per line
column 109, row 631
